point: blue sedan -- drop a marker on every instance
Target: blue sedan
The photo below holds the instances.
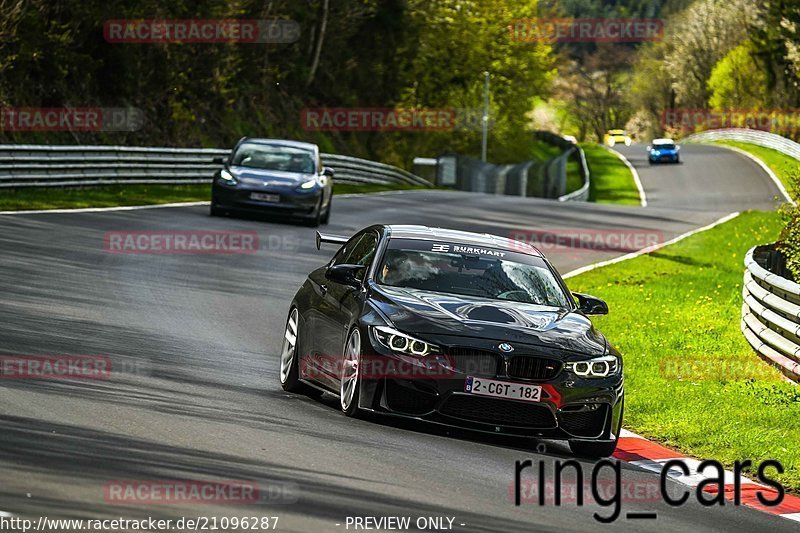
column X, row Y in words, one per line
column 274, row 176
column 663, row 151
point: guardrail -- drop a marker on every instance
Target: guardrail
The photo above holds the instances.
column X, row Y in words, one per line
column 761, row 138
column 555, row 170
column 771, row 316
column 582, row 194
column 59, row 166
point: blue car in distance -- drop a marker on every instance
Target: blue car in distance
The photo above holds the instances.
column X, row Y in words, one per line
column 284, row 178
column 663, row 151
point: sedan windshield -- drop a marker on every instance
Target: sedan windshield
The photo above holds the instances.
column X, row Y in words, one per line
column 664, row 147
column 470, row 271
column 274, row 157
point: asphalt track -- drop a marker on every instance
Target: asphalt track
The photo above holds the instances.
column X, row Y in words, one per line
column 198, row 337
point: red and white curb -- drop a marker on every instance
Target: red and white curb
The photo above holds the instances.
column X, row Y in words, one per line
column 638, row 451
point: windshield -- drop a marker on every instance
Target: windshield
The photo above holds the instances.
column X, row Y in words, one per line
column 274, row 157
column 664, row 147
column 470, row 271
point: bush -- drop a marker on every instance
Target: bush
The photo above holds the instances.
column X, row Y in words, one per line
column 789, row 242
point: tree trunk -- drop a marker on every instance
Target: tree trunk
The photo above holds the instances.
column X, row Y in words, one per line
column 320, row 39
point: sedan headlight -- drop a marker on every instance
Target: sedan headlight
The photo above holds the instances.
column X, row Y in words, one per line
column 599, row 367
column 401, row 343
column 310, row 184
column 226, row 177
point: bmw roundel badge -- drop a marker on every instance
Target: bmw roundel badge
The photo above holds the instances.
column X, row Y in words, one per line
column 505, row 347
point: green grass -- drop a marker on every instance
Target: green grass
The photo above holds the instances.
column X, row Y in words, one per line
column 121, row 195
column 782, row 165
column 574, row 179
column 611, row 181
column 674, row 310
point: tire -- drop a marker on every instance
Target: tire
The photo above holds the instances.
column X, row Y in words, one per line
column 677, row 160
column 350, row 382
column 288, row 373
column 327, row 216
column 214, row 211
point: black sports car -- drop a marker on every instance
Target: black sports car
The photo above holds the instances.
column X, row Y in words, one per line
column 457, row 328
column 267, row 175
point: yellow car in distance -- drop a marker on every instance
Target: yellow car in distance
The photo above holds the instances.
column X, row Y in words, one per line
column 616, row 137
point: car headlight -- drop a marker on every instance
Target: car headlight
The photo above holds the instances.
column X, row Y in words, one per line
column 226, row 176
column 401, row 343
column 598, row 367
column 310, row 184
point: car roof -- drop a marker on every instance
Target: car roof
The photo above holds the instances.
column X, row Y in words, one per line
column 663, row 141
column 617, row 132
column 281, row 142
column 401, row 231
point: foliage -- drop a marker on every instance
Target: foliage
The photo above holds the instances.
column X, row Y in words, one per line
column 737, row 81
column 789, row 242
column 372, row 53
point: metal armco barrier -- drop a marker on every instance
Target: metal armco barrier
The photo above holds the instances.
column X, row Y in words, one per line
column 758, row 137
column 582, row 194
column 58, row 166
column 555, row 170
column 771, row 316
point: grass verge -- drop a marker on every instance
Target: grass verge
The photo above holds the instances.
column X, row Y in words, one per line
column 611, row 181
column 122, row 195
column 782, row 165
column 692, row 380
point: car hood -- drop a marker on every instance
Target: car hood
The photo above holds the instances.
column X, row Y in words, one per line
column 439, row 314
column 262, row 177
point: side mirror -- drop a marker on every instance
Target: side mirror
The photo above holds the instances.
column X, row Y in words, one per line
column 589, row 305
column 328, row 171
column 678, row 147
column 218, row 160
column 649, row 147
column 344, row 274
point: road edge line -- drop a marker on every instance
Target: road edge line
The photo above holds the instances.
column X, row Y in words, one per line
column 649, row 249
column 102, row 209
column 757, row 160
column 177, row 204
column 636, row 179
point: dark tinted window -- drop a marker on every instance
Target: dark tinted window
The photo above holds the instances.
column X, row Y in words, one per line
column 360, row 250
column 470, row 271
column 274, row 157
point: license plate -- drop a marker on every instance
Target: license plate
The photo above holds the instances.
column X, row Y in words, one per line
column 503, row 389
column 263, row 197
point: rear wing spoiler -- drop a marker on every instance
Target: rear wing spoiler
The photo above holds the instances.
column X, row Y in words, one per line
column 330, row 239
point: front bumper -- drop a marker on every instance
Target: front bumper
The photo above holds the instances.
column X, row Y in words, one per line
column 570, row 407
column 291, row 202
column 664, row 158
